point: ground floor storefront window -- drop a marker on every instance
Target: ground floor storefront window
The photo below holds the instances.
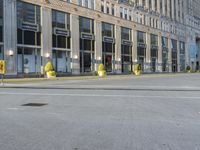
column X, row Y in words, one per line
column 182, row 63
column 1, row 52
column 109, row 56
column 154, row 57
column 174, row 61
column 153, row 64
column 164, row 60
column 86, row 61
column 107, row 61
column 29, row 60
column 141, row 52
column 87, row 53
column 61, row 61
column 126, row 57
column 182, row 56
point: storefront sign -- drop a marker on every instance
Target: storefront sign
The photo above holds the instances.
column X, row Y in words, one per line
column 155, row 47
column 30, row 27
column 87, row 36
column 2, row 67
column 108, row 39
column 141, row 45
column 127, row 42
column 174, row 50
column 165, row 49
column 61, row 32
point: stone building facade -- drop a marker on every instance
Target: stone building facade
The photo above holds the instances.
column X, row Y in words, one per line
column 78, row 35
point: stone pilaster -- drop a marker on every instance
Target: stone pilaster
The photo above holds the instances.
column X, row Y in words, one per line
column 173, row 9
column 118, row 62
column 75, row 46
column 147, row 67
column 153, row 5
column 178, row 56
column 158, row 6
column 10, row 35
column 164, row 7
column 98, row 44
column 181, row 11
column 159, row 53
column 147, row 4
column 89, row 4
column 169, row 55
column 177, row 10
column 134, row 48
column 140, row 2
column 168, row 8
column 46, row 43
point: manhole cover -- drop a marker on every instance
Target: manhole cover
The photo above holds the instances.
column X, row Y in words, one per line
column 35, row 104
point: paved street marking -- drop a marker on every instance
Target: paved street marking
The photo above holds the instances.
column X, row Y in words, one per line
column 98, row 95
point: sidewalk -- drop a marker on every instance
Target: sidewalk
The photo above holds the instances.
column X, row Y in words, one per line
column 108, row 77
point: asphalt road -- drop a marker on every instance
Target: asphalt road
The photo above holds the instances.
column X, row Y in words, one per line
column 156, row 112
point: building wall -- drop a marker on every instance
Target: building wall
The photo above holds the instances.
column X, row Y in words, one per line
column 159, row 17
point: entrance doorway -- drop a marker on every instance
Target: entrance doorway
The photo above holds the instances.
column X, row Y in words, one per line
column 107, row 58
column 153, row 64
column 86, row 62
column 141, row 62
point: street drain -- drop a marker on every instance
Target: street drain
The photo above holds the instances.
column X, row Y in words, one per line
column 35, row 104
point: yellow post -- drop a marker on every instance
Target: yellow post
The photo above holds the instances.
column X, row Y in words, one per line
column 2, row 70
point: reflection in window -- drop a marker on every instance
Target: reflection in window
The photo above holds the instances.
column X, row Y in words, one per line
column 154, row 39
column 30, row 14
column 141, row 36
column 61, row 21
column 164, row 42
column 126, row 33
column 107, row 29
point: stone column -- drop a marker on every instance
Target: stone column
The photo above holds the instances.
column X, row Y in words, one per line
column 159, row 53
column 89, row 4
column 97, row 6
column 134, row 48
column 140, row 2
column 169, row 55
column 178, row 56
column 177, row 10
column 181, row 11
column 98, row 44
column 10, row 35
column 168, row 8
column 153, row 5
column 46, row 43
column 118, row 62
column 163, row 7
column 117, row 11
column 147, row 4
column 173, row 9
column 158, row 6
column 83, row 3
column 75, row 46
column 148, row 53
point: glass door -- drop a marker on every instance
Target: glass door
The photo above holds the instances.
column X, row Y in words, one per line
column 153, row 64
column 141, row 62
